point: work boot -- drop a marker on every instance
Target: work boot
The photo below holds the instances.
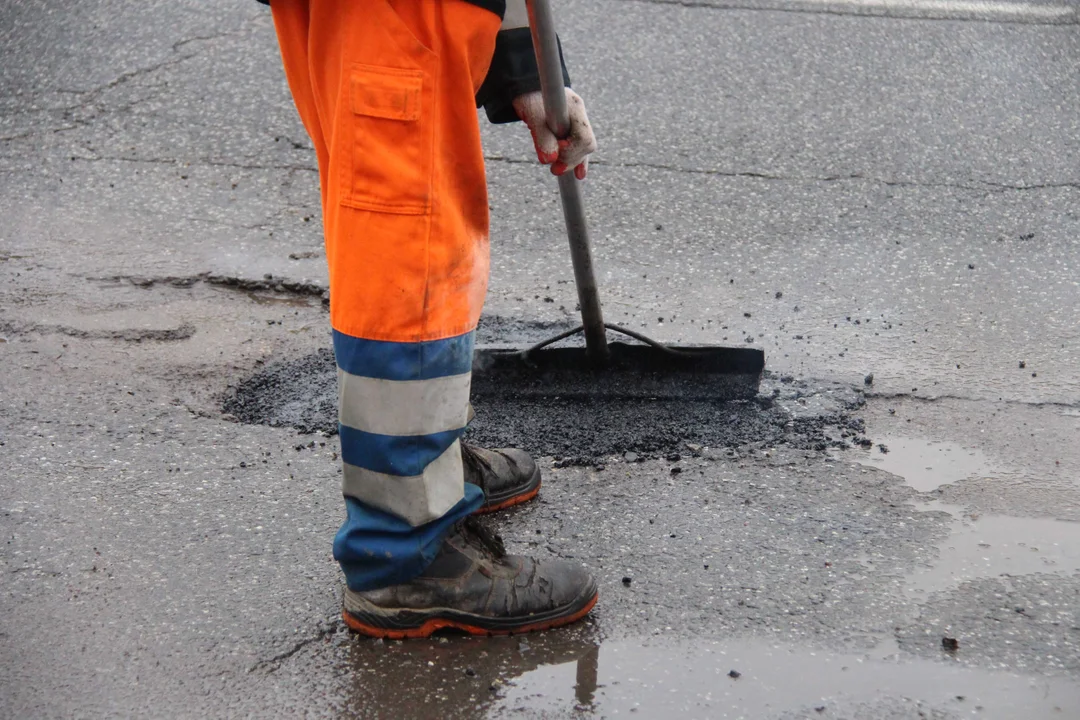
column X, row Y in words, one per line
column 508, row 477
column 475, row 587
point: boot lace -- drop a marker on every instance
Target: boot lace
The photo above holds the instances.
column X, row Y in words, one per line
column 482, row 535
column 470, row 457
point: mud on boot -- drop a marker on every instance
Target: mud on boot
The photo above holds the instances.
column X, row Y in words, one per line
column 473, row 586
column 508, row 477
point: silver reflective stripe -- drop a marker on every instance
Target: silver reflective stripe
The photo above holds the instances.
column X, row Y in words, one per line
column 417, row 499
column 403, row 407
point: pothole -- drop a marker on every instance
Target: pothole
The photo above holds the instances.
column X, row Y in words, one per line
column 259, row 298
column 302, row 393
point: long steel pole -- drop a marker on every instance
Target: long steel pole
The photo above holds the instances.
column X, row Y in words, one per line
column 546, row 44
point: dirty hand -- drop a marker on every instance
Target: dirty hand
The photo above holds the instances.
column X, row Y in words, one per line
column 571, row 152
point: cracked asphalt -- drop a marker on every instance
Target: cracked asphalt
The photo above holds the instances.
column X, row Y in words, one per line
column 885, row 196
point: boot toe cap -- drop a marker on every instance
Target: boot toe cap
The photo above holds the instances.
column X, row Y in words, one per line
column 564, row 583
column 522, row 460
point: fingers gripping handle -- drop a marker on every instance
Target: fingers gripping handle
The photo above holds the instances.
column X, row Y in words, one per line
column 546, row 44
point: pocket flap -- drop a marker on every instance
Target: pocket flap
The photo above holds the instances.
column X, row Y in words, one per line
column 391, row 93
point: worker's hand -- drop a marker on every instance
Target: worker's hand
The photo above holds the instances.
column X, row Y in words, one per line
column 569, row 153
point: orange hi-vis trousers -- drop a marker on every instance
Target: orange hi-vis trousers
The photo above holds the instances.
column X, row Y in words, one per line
column 386, row 90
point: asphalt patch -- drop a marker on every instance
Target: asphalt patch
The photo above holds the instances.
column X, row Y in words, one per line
column 300, row 393
column 582, row 430
column 579, row 431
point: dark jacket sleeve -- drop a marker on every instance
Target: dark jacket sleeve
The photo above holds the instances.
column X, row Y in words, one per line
column 513, row 68
column 513, row 72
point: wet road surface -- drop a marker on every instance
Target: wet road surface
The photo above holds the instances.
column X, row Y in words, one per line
column 859, row 188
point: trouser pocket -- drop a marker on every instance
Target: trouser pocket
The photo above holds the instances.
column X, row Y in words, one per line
column 389, row 133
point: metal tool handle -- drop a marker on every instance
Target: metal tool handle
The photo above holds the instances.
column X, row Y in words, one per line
column 546, row 44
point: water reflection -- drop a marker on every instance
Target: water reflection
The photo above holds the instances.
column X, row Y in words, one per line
column 754, row 678
column 588, row 668
column 461, row 677
column 572, row 674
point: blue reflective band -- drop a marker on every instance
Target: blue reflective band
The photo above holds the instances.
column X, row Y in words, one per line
column 404, row 361
column 403, row 455
column 377, row 549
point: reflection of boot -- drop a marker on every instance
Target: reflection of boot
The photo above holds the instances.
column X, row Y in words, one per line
column 475, row 587
column 507, row 477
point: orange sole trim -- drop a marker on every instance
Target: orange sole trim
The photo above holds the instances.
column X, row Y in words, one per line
column 509, row 502
column 436, row 624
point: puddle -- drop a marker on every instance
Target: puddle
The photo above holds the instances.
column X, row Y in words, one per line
column 988, row 546
column 452, row 676
column 923, row 464
column 692, row 681
column 980, row 546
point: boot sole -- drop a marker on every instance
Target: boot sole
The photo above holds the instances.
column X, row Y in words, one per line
column 401, row 624
column 531, row 490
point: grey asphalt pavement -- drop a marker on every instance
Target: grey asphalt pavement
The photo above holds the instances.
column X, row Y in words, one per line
column 859, row 187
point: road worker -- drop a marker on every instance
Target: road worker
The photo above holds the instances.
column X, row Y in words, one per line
column 388, row 91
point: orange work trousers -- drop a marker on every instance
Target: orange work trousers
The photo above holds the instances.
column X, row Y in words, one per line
column 386, row 91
